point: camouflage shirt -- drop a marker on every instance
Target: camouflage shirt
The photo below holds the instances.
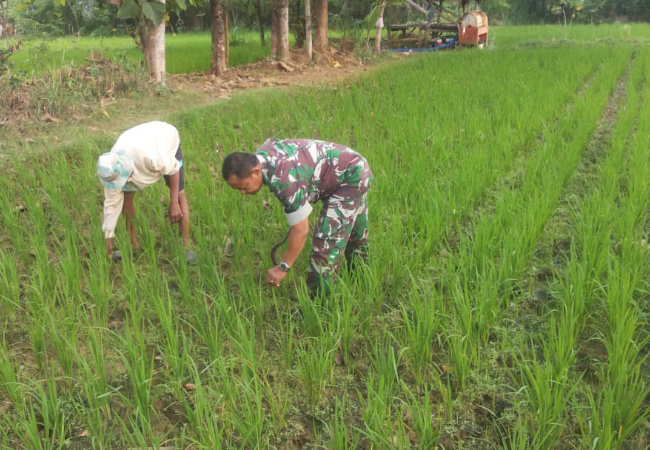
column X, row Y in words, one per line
column 301, row 171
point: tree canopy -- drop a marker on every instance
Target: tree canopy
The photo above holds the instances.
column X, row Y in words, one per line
column 99, row 17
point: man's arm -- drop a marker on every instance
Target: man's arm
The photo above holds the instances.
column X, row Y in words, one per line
column 297, row 237
column 113, row 202
column 175, row 213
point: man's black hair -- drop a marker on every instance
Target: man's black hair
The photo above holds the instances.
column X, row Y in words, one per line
column 238, row 163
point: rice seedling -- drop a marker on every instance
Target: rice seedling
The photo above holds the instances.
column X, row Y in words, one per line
column 314, row 366
column 422, row 324
column 10, row 294
column 339, row 433
column 425, row 425
column 203, row 414
column 139, row 367
column 11, row 387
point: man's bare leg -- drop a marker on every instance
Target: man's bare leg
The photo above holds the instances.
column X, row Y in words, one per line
column 184, row 224
column 184, row 228
column 129, row 216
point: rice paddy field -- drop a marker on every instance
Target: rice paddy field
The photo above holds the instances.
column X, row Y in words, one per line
column 504, row 305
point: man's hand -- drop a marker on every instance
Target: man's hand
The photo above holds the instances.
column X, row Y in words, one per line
column 175, row 214
column 274, row 276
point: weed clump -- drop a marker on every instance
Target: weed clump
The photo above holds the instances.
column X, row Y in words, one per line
column 72, row 91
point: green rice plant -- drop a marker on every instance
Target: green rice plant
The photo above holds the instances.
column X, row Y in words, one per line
column 548, row 393
column 172, row 349
column 62, row 337
column 249, row 422
column 426, row 428
column 565, row 330
column 96, row 417
column 345, row 322
column 46, row 423
column 243, row 414
column 477, row 303
column 37, row 329
column 385, row 361
column 94, row 402
column 377, row 410
column 139, row 367
column 9, row 382
column 314, row 366
column 461, row 356
column 340, row 435
column 71, row 269
column 446, row 389
column 27, row 430
column 129, row 275
column 618, row 410
column 286, row 340
column 4, row 438
column 422, row 324
column 315, row 315
column 138, row 435
column 203, row 414
column 9, row 280
column 244, row 342
column 277, row 400
column 517, row 437
column 206, row 323
column 98, row 285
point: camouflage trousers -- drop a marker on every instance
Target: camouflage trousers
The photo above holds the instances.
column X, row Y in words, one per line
column 342, row 229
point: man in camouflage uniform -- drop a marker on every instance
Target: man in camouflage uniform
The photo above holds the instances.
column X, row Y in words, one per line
column 299, row 172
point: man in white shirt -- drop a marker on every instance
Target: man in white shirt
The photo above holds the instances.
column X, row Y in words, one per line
column 141, row 156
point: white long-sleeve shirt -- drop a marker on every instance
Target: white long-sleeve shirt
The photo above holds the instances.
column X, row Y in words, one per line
column 153, row 147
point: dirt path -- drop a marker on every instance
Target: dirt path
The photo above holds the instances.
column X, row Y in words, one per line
column 268, row 73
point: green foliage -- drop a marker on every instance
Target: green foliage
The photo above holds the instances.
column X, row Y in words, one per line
column 133, row 9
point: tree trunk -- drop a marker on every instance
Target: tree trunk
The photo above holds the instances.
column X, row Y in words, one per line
column 218, row 63
column 283, row 22
column 280, row 30
column 226, row 33
column 308, row 28
column 258, row 13
column 275, row 33
column 298, row 24
column 379, row 25
column 320, row 33
column 154, row 51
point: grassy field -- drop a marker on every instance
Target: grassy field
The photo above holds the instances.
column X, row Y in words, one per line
column 190, row 53
column 186, row 53
column 505, row 303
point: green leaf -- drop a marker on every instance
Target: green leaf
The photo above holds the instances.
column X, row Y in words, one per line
column 181, row 4
column 129, row 10
column 154, row 11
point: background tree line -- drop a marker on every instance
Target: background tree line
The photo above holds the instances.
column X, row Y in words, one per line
column 99, row 17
